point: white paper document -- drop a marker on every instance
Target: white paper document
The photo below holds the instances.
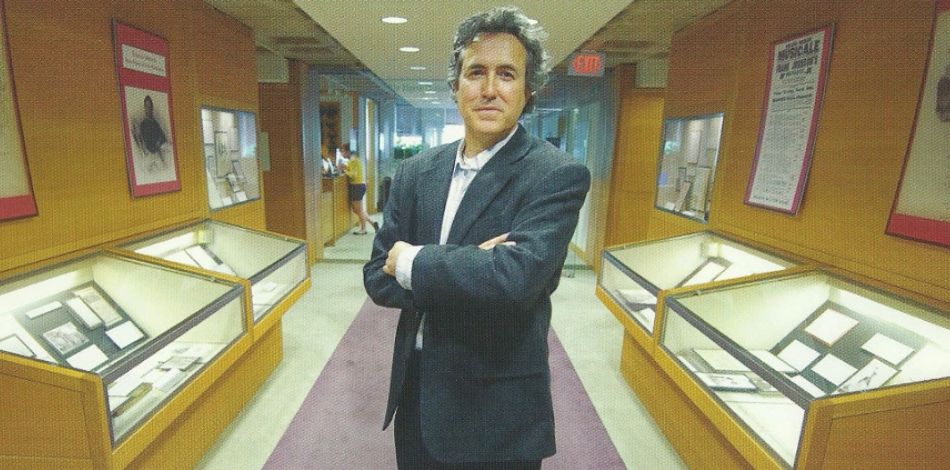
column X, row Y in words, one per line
column 36, row 312
column 707, row 273
column 88, row 359
column 101, row 306
column 721, row 360
column 890, row 350
column 84, row 313
column 830, row 326
column 869, row 377
column 13, row 344
column 637, row 296
column 929, row 363
column 125, row 334
column 797, row 355
column 179, row 362
column 833, row 369
column 807, row 386
column 649, row 317
column 686, row 362
column 726, row 381
column 169, row 380
column 124, row 385
column 201, row 257
column 183, row 258
column 772, row 361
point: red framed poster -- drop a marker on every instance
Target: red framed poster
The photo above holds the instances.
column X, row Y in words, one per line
column 145, row 96
column 16, row 188
column 921, row 209
column 793, row 94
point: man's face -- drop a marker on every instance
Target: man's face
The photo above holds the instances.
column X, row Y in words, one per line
column 491, row 90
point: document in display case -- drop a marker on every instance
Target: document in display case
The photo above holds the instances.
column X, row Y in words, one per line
column 689, row 150
column 119, row 323
column 276, row 266
column 632, row 276
column 801, row 360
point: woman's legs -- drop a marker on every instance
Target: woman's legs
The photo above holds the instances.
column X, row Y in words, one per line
column 357, row 208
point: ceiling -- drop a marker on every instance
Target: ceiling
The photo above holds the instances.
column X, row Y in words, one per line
column 356, row 51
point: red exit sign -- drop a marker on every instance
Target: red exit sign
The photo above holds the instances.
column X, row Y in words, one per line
column 589, row 64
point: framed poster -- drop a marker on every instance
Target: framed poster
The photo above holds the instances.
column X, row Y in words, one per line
column 16, row 189
column 688, row 153
column 921, row 208
column 793, row 93
column 145, row 96
column 231, row 167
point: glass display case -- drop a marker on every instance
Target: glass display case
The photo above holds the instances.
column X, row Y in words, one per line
column 143, row 331
column 803, row 359
column 687, row 165
column 275, row 265
column 632, row 276
column 230, row 149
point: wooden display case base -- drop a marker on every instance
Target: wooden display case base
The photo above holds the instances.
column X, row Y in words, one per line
column 695, row 438
column 186, row 440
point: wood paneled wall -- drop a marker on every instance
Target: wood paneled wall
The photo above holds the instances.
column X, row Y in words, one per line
column 633, row 174
column 63, row 65
column 878, row 58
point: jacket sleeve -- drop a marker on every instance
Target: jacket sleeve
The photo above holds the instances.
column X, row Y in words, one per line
column 505, row 278
column 381, row 287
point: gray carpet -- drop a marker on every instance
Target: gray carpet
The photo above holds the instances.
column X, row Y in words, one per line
column 338, row 426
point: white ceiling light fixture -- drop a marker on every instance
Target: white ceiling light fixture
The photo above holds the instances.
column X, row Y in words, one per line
column 416, row 67
column 393, row 20
column 409, row 49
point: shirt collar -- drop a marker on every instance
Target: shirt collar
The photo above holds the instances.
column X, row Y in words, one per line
column 480, row 159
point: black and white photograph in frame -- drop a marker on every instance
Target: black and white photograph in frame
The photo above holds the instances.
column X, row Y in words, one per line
column 66, row 338
column 153, row 154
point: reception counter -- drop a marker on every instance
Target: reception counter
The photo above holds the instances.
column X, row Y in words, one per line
column 334, row 209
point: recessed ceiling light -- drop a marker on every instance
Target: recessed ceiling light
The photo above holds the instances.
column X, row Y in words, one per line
column 409, row 49
column 394, row 20
column 425, row 83
column 417, row 67
column 430, row 92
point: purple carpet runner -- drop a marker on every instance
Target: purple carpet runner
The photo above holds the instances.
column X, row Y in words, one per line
column 338, row 426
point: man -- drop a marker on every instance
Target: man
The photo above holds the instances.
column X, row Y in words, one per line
column 475, row 235
column 356, row 188
column 150, row 136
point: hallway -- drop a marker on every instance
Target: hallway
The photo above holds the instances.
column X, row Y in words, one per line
column 315, row 324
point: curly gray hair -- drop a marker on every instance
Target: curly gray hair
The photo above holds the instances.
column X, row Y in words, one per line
column 511, row 20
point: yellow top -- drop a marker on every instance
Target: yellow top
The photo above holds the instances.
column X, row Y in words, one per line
column 354, row 170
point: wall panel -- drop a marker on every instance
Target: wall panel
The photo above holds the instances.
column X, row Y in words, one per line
column 877, row 63
column 63, row 64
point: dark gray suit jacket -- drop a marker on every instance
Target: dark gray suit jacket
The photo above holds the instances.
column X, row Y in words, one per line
column 485, row 381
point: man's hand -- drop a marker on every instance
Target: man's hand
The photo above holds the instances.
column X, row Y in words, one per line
column 390, row 266
column 499, row 240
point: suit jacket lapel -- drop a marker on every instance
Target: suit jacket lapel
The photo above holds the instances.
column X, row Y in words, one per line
column 488, row 185
column 434, row 190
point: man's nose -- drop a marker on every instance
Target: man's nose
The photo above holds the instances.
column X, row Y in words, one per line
column 489, row 85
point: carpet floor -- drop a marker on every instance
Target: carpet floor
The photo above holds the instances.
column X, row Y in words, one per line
column 339, row 423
